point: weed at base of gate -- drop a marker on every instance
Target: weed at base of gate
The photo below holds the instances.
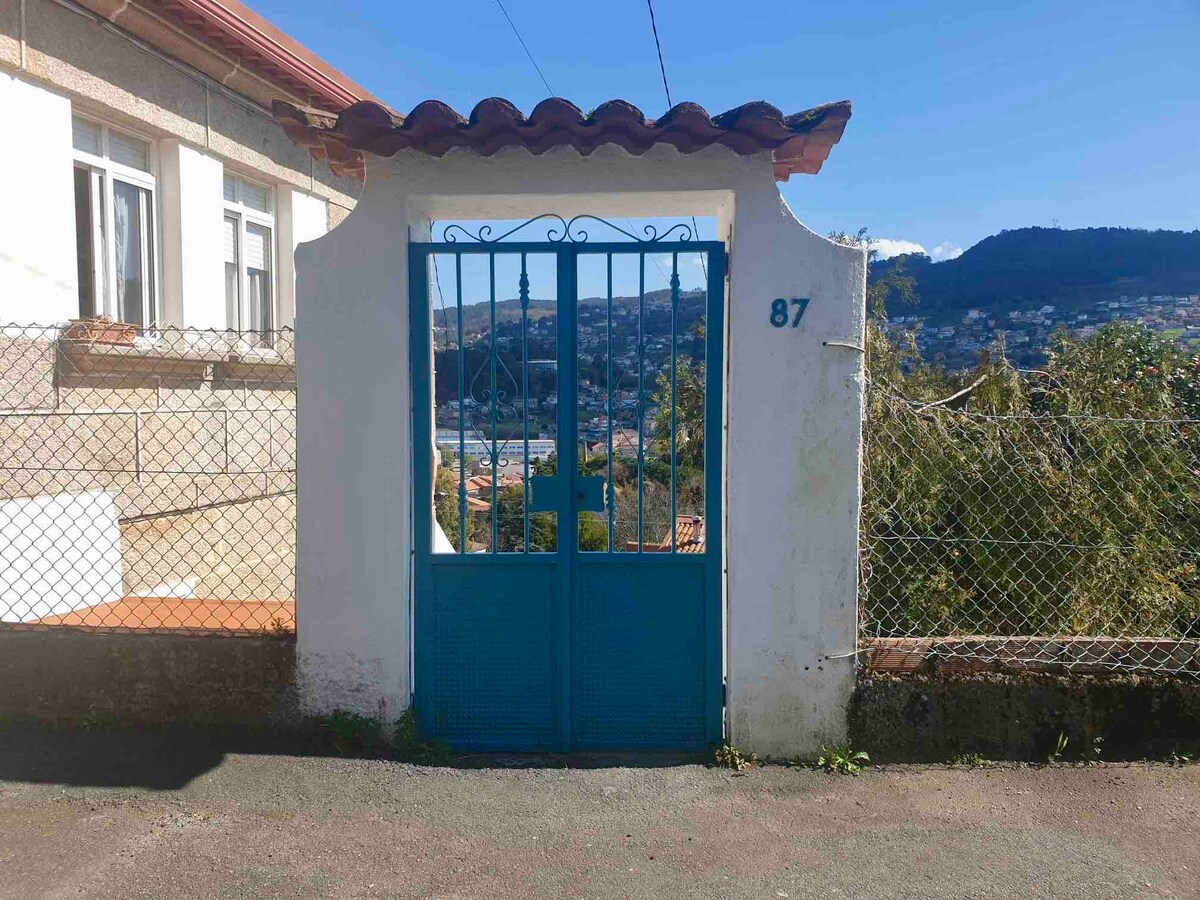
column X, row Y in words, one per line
column 729, row 757
column 842, row 759
column 351, row 733
column 408, row 746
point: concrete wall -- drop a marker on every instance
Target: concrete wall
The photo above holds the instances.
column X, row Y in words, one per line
column 38, row 275
column 794, row 410
column 56, row 59
column 794, row 418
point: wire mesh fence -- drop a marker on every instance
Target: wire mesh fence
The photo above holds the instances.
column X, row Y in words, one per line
column 1030, row 539
column 147, row 479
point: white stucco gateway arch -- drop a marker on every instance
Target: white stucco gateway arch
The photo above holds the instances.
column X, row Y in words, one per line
column 792, row 431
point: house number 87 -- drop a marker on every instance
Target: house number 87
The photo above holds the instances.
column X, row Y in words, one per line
column 779, row 311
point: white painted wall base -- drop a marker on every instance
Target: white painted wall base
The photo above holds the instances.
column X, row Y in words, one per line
column 793, row 437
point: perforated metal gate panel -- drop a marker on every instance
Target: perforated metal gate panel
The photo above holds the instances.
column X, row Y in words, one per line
column 568, row 558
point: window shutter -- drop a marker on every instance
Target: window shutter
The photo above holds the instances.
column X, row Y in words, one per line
column 258, row 251
column 255, row 196
column 128, row 151
column 85, row 136
column 230, row 189
column 231, row 240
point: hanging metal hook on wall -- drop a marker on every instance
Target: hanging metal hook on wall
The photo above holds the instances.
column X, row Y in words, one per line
column 845, row 344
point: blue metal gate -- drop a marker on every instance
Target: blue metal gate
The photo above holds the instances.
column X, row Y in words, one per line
column 567, row 592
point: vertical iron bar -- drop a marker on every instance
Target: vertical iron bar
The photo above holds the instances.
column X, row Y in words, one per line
column 523, row 291
column 674, row 399
column 568, row 478
column 609, row 382
column 641, row 412
column 495, row 468
column 714, row 441
column 462, row 406
column 424, row 472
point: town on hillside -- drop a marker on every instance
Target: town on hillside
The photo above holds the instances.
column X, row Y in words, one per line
column 1026, row 332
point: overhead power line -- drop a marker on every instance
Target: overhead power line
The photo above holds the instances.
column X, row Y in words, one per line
column 661, row 66
column 525, row 47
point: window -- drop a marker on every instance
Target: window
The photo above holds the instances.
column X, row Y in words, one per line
column 114, row 223
column 249, row 279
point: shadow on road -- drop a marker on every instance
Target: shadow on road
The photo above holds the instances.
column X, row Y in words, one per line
column 169, row 758
column 156, row 759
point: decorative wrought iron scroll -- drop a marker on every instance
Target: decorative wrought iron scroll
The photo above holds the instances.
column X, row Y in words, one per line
column 570, row 231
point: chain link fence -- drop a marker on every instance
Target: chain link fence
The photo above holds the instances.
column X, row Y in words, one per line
column 147, row 480
column 1029, row 540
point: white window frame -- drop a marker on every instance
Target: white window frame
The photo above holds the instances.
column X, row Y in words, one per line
column 236, row 209
column 102, row 173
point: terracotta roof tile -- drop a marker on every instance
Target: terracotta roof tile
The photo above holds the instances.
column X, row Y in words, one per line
column 689, row 535
column 800, row 142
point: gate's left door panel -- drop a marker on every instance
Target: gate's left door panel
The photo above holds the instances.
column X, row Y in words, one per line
column 491, row 642
column 488, row 575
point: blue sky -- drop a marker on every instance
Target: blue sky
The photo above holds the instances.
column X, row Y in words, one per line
column 968, row 117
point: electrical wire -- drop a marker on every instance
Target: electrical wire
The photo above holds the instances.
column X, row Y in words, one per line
column 658, row 45
column 662, row 68
column 525, row 47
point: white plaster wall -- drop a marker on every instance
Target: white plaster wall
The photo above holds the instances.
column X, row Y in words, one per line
column 300, row 218
column 190, row 186
column 352, row 556
column 38, row 275
column 794, row 412
column 793, row 445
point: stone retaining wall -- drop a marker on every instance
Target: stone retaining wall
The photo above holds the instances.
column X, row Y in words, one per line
column 932, row 718
column 67, row 677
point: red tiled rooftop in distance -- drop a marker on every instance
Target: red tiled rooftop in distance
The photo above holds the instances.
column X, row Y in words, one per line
column 182, row 614
column 689, row 535
column 799, row 142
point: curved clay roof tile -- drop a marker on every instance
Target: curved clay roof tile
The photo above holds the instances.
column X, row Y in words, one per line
column 556, row 111
column 364, row 121
column 616, row 113
column 799, row 142
column 495, row 112
column 431, row 115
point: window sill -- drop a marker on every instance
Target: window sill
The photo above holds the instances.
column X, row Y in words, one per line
column 143, row 356
column 177, row 356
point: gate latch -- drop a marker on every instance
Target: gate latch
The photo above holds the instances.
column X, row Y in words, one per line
column 544, row 490
column 589, row 493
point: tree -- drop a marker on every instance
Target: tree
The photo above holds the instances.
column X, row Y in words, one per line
column 689, row 410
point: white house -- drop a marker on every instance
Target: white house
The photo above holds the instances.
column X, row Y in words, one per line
column 143, row 176
column 144, row 180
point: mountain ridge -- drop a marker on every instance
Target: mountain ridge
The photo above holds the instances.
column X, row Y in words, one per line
column 1027, row 267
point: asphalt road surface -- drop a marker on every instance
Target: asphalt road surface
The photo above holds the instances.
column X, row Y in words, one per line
column 179, row 815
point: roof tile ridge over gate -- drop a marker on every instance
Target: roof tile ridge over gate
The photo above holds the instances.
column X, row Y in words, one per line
column 799, row 142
